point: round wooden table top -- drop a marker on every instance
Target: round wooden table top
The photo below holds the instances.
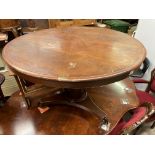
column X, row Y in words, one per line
column 74, row 56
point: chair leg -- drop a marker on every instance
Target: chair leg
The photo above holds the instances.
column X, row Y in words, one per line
column 22, row 90
column 2, row 98
column 153, row 125
column 137, row 129
column 15, row 32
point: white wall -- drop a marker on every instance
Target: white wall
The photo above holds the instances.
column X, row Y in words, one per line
column 145, row 33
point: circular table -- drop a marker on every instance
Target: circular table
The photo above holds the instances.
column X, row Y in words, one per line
column 78, row 61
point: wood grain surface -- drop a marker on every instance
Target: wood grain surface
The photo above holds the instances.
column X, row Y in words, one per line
column 74, row 56
column 114, row 100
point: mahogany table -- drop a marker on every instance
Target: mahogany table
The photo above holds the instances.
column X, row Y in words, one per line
column 79, row 61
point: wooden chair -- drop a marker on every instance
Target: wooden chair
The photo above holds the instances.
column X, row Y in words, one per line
column 125, row 127
column 139, row 73
column 10, row 25
column 31, row 91
column 70, row 22
column 150, row 83
column 147, row 96
column 3, row 37
column 2, row 98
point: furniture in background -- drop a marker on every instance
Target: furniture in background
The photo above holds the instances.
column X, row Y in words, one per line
column 3, row 38
column 10, row 25
column 150, row 83
column 30, row 91
column 118, row 25
column 133, row 119
column 30, row 26
column 144, row 97
column 9, row 29
column 70, row 22
column 2, row 98
column 147, row 96
column 139, row 73
column 3, row 41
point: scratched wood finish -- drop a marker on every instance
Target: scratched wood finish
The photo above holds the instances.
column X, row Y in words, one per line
column 63, row 119
column 115, row 99
column 74, row 56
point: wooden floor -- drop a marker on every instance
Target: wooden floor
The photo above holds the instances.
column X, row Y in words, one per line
column 16, row 119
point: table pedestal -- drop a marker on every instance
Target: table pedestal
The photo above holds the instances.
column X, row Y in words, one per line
column 74, row 95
